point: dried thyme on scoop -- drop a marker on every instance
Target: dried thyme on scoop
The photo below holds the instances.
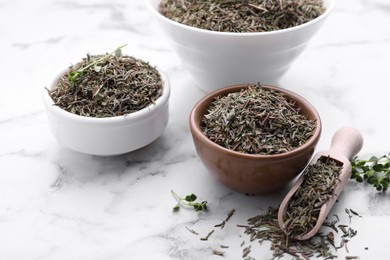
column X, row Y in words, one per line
column 242, row 15
column 317, row 188
column 256, row 120
column 107, row 86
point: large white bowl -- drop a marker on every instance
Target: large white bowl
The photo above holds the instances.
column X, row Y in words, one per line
column 113, row 135
column 216, row 59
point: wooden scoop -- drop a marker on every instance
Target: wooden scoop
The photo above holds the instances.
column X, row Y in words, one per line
column 346, row 143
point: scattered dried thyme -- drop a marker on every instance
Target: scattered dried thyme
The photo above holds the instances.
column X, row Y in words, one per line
column 265, row 227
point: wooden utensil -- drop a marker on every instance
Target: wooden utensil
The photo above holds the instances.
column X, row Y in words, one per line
column 346, row 143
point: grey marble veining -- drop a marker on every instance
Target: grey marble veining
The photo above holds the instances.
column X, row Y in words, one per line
column 59, row 204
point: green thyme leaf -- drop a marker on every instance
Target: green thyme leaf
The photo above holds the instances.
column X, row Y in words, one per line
column 97, row 68
column 118, row 52
column 191, row 198
column 73, row 75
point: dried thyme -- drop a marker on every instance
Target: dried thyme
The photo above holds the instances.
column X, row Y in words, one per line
column 242, row 15
column 192, row 231
column 317, row 188
column 246, row 251
column 218, row 252
column 265, row 227
column 222, row 224
column 107, row 86
column 256, row 120
column 207, row 236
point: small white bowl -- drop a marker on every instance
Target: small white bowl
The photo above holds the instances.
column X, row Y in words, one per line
column 113, row 135
column 216, row 59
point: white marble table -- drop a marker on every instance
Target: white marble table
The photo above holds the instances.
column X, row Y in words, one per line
column 59, row 204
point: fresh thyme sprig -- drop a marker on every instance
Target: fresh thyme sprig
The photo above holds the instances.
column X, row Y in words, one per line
column 375, row 171
column 189, row 200
column 74, row 74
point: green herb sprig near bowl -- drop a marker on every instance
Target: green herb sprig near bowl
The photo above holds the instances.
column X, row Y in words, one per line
column 374, row 171
column 189, row 200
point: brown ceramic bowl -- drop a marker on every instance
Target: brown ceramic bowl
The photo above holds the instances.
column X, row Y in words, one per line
column 252, row 173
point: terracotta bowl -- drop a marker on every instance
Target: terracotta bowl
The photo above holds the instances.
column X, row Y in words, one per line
column 252, row 173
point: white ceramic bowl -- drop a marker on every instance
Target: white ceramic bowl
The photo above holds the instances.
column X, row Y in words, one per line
column 113, row 135
column 217, row 59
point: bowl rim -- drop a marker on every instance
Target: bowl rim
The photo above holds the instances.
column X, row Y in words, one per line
column 133, row 117
column 206, row 100
column 329, row 7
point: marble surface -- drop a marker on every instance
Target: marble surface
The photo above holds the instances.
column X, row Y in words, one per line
column 59, row 204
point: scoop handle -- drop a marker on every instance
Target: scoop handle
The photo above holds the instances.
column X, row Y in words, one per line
column 347, row 141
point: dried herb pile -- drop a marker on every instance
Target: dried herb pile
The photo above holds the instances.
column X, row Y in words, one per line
column 242, row 15
column 265, row 227
column 256, row 121
column 107, row 86
column 320, row 179
column 317, row 188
